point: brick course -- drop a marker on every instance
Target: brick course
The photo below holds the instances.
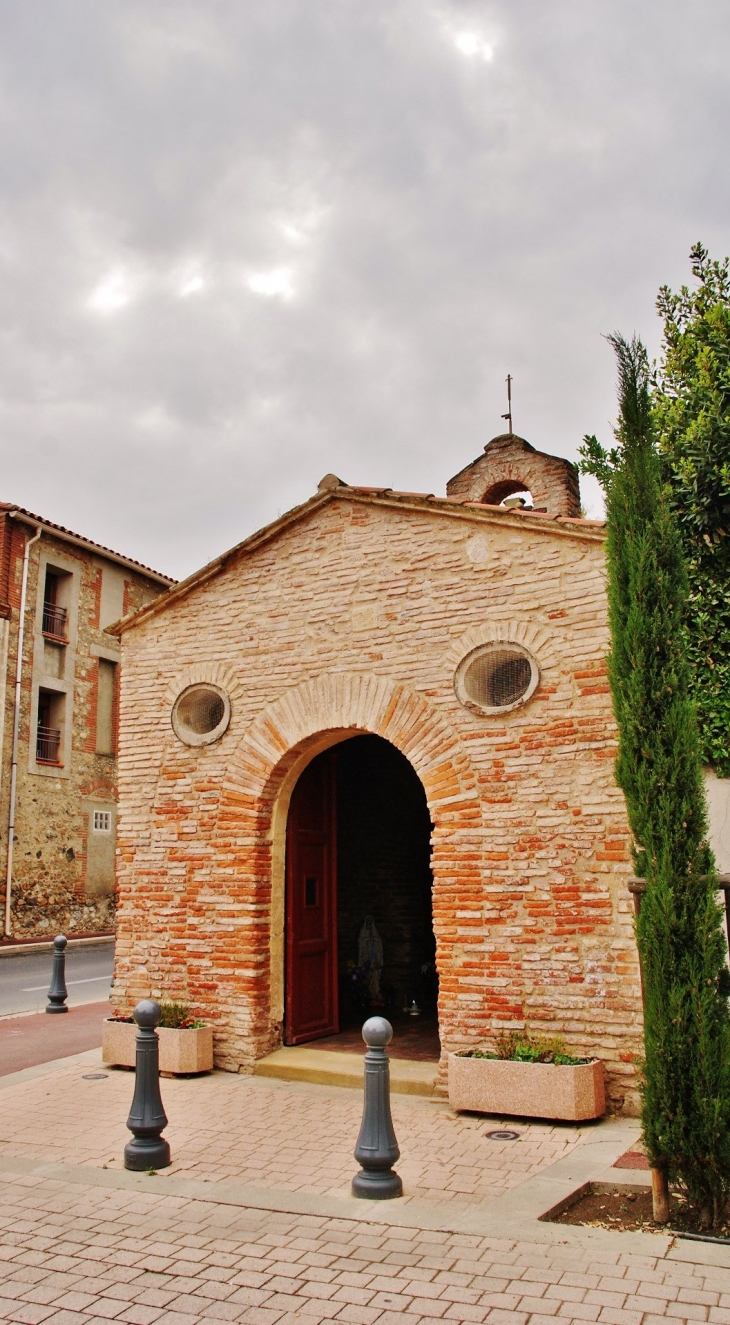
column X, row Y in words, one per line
column 351, row 616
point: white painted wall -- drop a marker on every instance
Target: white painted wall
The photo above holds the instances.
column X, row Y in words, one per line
column 718, row 808
column 112, row 595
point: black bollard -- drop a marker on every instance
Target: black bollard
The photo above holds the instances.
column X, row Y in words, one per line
column 147, row 1117
column 377, row 1149
column 57, row 991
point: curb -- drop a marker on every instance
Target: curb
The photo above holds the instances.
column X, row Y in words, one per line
column 42, row 945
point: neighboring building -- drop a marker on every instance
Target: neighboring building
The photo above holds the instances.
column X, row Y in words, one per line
column 386, row 705
column 59, row 872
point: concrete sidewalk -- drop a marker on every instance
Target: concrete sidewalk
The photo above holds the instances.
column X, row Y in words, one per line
column 254, row 1221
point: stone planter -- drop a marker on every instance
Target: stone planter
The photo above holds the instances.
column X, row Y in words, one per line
column 528, row 1090
column 181, row 1051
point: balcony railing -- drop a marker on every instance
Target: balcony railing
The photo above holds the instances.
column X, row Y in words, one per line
column 54, row 621
column 48, row 745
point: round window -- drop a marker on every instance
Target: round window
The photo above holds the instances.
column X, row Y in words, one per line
column 201, row 714
column 496, row 677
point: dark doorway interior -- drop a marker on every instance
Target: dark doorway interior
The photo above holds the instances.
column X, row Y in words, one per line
column 375, row 858
column 383, row 871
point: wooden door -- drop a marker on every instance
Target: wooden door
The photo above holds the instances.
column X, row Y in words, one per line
column 311, row 905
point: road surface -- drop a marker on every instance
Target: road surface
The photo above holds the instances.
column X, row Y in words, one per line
column 24, row 979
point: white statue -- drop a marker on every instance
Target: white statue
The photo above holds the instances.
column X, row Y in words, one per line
column 370, row 956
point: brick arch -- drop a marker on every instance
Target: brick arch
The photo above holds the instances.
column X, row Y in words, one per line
column 249, row 838
column 498, row 492
column 497, row 629
column 355, row 702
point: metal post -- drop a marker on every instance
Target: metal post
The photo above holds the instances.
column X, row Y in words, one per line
column 147, row 1117
column 57, row 991
column 377, row 1149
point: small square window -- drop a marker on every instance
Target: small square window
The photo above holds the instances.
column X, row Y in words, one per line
column 102, row 821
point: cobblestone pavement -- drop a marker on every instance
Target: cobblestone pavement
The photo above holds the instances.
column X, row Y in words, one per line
column 79, row 1245
column 70, row 1255
column 272, row 1134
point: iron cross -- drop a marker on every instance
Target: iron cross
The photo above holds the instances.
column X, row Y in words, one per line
column 508, row 415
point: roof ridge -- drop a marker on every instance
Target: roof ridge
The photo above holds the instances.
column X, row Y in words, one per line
column 340, row 493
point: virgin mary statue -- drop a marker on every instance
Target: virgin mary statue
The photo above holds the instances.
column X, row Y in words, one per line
column 370, row 957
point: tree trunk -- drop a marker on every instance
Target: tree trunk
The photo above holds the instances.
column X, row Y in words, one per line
column 660, row 1196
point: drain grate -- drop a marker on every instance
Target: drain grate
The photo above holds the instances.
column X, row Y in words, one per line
column 95, row 1076
column 503, row 1136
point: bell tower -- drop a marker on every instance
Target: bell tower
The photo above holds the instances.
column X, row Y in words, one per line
column 511, row 465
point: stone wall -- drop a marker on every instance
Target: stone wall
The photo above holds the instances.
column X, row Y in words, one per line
column 63, row 871
column 354, row 618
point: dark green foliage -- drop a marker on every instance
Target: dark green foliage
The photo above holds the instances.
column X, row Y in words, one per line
column 691, row 401
column 686, row 1092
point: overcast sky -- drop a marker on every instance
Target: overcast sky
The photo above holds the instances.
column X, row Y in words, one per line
column 247, row 242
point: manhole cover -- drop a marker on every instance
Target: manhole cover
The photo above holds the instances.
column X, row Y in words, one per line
column 503, row 1136
column 95, row 1076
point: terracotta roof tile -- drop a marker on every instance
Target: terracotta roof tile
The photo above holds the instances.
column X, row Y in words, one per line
column 86, row 542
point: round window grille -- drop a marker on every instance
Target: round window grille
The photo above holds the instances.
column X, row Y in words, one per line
column 496, row 677
column 201, row 714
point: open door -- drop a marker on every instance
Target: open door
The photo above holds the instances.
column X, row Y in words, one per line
column 311, row 905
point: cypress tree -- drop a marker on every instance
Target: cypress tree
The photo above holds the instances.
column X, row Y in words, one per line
column 686, row 1069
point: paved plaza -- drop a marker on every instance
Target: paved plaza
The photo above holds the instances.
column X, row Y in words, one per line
column 280, row 1135
column 254, row 1223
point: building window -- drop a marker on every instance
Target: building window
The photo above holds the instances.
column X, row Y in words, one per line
column 55, row 613
column 50, row 726
column 102, row 821
column 496, row 678
column 201, row 714
column 105, row 707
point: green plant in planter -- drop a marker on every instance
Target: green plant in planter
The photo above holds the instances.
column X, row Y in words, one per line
column 515, row 1048
column 177, row 1016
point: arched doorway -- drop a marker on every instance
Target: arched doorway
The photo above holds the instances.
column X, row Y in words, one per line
column 359, row 926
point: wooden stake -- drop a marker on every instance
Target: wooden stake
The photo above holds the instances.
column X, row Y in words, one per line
column 660, row 1196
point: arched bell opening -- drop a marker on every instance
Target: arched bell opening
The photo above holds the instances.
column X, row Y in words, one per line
column 508, row 491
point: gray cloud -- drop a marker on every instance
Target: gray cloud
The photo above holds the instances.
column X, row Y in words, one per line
column 423, row 219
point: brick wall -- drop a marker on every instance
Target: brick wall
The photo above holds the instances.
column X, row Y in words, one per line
column 354, row 619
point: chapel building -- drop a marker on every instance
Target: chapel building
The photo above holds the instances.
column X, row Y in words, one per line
column 366, row 761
